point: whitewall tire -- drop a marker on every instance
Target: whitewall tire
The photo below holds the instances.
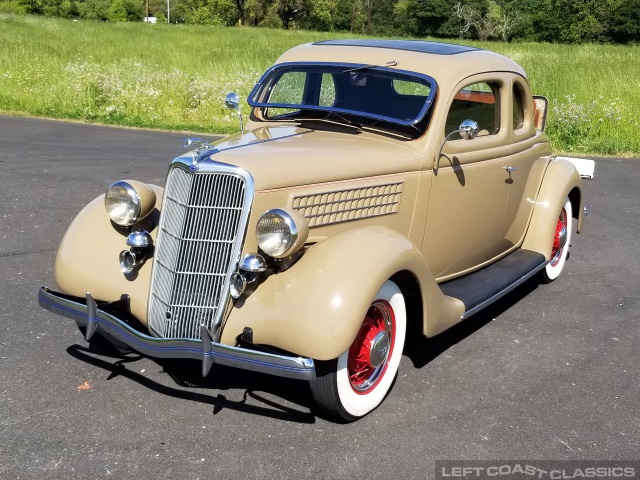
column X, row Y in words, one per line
column 355, row 383
column 560, row 248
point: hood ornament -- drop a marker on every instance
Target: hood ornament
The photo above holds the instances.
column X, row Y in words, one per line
column 190, row 142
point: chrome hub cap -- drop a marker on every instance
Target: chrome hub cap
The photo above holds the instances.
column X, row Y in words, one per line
column 562, row 240
column 379, row 349
column 559, row 239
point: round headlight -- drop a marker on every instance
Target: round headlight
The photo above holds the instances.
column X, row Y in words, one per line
column 122, row 203
column 281, row 232
column 128, row 202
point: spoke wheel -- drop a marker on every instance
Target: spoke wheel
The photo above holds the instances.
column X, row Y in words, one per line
column 560, row 247
column 355, row 383
column 368, row 356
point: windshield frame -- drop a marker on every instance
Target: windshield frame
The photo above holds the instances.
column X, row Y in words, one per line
column 266, row 84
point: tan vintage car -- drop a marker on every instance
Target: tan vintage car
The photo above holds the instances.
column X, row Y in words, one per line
column 378, row 185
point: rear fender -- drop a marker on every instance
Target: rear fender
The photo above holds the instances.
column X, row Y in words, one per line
column 561, row 180
column 316, row 308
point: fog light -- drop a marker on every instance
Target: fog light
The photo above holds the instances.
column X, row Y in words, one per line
column 238, row 285
column 129, row 261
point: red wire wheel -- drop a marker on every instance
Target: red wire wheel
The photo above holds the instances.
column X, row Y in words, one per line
column 372, row 347
column 355, row 383
column 560, row 238
column 560, row 246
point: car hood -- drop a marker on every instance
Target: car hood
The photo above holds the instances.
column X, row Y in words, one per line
column 287, row 156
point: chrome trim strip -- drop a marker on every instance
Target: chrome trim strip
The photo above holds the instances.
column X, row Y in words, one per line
column 502, row 293
column 209, row 352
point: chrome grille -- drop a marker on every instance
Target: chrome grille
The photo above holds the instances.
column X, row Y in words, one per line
column 199, row 240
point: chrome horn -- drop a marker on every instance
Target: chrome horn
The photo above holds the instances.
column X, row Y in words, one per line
column 139, row 242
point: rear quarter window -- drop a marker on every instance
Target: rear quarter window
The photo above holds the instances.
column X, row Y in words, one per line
column 479, row 102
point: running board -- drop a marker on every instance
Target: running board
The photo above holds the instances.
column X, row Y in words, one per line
column 479, row 289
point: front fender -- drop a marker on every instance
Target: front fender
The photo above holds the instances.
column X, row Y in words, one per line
column 87, row 259
column 316, row 307
column 561, row 180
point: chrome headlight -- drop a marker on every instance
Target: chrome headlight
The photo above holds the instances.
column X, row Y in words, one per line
column 281, row 232
column 128, row 202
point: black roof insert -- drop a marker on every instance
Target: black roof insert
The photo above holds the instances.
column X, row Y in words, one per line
column 437, row 48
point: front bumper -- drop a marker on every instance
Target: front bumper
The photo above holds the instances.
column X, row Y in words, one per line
column 99, row 316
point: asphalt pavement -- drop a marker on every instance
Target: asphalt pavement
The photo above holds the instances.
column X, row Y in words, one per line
column 550, row 372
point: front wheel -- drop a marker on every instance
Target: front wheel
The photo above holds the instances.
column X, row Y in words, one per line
column 560, row 248
column 355, row 383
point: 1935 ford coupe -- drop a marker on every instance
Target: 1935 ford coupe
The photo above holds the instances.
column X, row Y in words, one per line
column 369, row 172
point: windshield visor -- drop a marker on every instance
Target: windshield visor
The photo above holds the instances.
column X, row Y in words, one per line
column 379, row 93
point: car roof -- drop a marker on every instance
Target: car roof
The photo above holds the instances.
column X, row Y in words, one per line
column 447, row 63
column 438, row 48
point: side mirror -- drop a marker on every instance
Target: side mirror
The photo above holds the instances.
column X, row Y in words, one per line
column 468, row 130
column 232, row 101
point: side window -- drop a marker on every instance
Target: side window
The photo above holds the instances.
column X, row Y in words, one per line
column 518, row 107
column 289, row 88
column 404, row 87
column 479, row 102
column 327, row 91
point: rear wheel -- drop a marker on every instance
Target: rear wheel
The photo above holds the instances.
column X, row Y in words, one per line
column 560, row 248
column 355, row 383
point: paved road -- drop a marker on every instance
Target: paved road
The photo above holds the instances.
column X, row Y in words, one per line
column 550, row 373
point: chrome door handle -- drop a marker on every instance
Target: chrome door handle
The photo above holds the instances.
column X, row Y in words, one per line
column 510, row 169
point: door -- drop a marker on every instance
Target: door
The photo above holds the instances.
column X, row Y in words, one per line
column 466, row 217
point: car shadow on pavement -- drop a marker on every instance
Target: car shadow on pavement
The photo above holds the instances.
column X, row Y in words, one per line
column 186, row 375
column 257, row 386
column 421, row 350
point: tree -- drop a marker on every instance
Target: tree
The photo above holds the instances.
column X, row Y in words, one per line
column 117, row 12
column 94, row 9
column 482, row 18
column 240, row 5
column 200, row 12
column 467, row 17
column 624, row 25
column 428, row 16
column 135, row 10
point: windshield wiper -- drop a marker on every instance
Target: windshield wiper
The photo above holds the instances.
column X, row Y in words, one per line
column 392, row 63
column 346, row 124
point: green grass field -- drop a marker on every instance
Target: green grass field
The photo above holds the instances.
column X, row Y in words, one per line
column 176, row 77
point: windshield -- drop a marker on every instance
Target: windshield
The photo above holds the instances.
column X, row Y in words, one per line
column 384, row 95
